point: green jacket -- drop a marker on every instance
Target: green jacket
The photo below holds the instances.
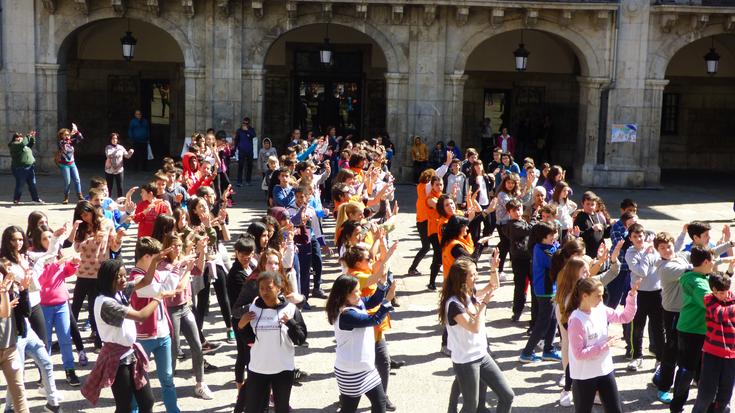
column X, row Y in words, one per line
column 21, row 153
column 694, row 286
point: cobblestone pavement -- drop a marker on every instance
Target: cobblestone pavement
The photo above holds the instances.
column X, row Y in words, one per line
column 423, row 384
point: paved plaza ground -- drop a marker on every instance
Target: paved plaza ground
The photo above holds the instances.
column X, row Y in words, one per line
column 423, row 384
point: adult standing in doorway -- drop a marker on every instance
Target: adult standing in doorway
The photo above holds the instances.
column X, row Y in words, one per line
column 506, row 142
column 139, row 133
column 244, row 144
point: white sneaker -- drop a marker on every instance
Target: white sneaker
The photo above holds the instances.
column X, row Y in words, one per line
column 597, row 399
column 502, row 277
column 202, row 391
column 565, row 399
column 635, row 365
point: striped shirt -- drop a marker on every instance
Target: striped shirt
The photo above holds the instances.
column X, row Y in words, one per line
column 719, row 340
column 355, row 384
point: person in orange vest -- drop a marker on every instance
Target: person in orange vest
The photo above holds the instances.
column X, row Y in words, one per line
column 437, row 187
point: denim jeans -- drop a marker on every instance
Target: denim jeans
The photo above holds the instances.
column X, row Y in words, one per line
column 544, row 328
column 25, row 174
column 70, row 173
column 469, row 375
column 33, row 347
column 57, row 316
column 161, row 350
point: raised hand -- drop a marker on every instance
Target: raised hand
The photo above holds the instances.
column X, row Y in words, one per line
column 616, row 251
column 634, row 287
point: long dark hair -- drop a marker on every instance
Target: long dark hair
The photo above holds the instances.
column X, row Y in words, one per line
column 257, row 229
column 452, row 229
column 36, row 236
column 164, row 224
column 191, row 205
column 84, row 228
column 455, row 285
column 33, row 219
column 348, row 227
column 107, row 275
column 342, row 287
column 6, row 250
column 568, row 250
column 440, row 205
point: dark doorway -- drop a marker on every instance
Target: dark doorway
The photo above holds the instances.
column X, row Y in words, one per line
column 156, row 98
column 328, row 96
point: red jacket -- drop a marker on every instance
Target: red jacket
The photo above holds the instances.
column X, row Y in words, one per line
column 147, row 329
column 146, row 220
column 511, row 144
column 719, row 340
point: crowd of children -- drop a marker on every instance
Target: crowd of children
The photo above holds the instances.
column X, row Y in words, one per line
column 265, row 276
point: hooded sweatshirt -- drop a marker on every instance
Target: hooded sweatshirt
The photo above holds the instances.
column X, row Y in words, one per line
column 264, row 154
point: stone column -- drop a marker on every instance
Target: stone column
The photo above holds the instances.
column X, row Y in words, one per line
column 585, row 165
column 651, row 129
column 253, row 99
column 195, row 103
column 396, row 119
column 50, row 87
column 453, row 107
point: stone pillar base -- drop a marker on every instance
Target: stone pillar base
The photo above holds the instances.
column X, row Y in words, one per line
column 615, row 177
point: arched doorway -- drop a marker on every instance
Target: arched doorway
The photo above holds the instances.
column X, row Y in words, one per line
column 302, row 93
column 540, row 106
column 100, row 90
column 698, row 109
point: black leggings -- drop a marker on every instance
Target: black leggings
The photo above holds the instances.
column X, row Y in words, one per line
column 504, row 248
column 436, row 259
column 423, row 228
column 584, row 391
column 86, row 288
column 242, row 336
column 202, row 307
column 74, row 328
column 123, row 390
column 257, row 391
column 377, row 401
column 115, row 179
column 38, row 322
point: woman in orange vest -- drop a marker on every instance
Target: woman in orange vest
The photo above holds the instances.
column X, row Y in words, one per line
column 437, row 187
column 456, row 242
column 422, row 219
column 368, row 272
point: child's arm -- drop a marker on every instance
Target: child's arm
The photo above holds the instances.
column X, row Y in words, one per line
column 577, row 343
column 631, row 305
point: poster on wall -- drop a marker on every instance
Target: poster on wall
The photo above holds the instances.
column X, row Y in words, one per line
column 624, row 132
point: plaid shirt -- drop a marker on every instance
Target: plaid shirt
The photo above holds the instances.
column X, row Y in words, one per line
column 618, row 233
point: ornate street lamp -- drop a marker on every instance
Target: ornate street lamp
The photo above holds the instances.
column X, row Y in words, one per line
column 325, row 51
column 712, row 59
column 521, row 56
column 128, row 44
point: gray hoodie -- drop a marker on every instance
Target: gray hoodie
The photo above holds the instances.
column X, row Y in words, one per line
column 641, row 265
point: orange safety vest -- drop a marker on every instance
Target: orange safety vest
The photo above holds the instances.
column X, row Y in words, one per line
column 448, row 259
column 433, row 215
column 421, row 208
column 367, row 291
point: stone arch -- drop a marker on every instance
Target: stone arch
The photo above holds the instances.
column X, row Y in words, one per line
column 590, row 62
column 394, row 55
column 63, row 34
column 660, row 59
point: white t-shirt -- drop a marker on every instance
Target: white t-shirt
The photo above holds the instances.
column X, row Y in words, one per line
column 482, row 197
column 112, row 325
column 465, row 345
column 595, row 328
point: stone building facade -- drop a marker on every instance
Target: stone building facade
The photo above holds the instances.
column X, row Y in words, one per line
column 433, row 68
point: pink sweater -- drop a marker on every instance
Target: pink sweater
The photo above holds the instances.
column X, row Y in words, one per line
column 53, row 287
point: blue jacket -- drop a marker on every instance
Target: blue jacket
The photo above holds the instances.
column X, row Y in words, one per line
column 284, row 197
column 244, row 141
column 139, row 131
column 543, row 285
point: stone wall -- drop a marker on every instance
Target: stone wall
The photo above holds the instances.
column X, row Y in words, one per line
column 705, row 139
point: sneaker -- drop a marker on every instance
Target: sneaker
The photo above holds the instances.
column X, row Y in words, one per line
column 502, row 277
column 180, row 355
column 515, row 317
column 209, row 367
column 565, row 399
column 52, row 409
column 40, row 202
column 431, row 286
column 413, row 272
column 230, row 336
column 299, row 375
column 562, row 380
column 635, row 365
column 209, row 347
column 395, row 303
column 389, row 406
column 65, row 201
column 16, row 202
column 665, row 397
column 318, row 293
column 83, row 358
column 71, row 378
column 551, row 356
column 306, row 306
column 271, row 400
column 529, row 359
column 202, row 391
